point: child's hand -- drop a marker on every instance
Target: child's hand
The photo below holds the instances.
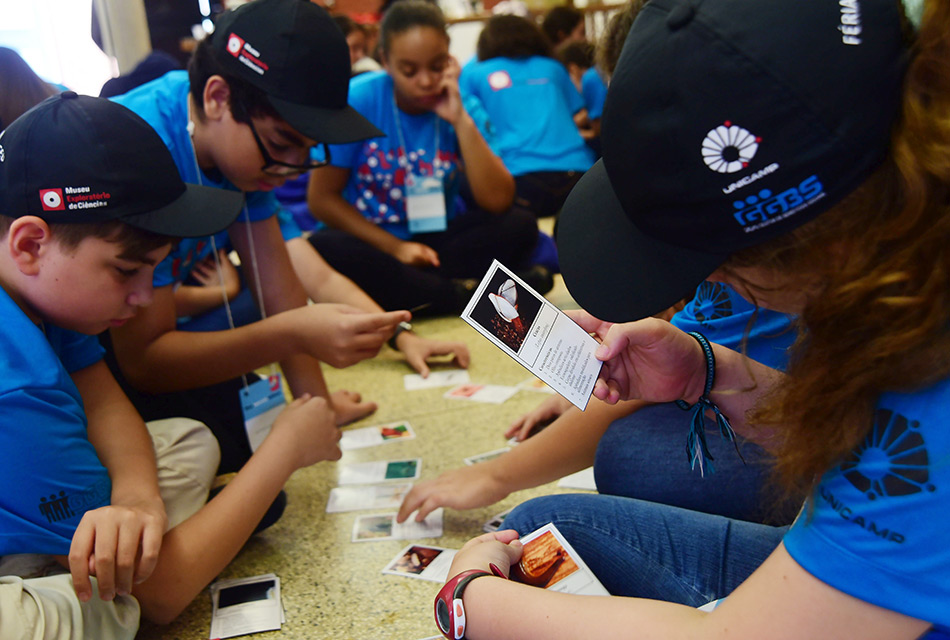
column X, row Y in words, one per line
column 417, row 254
column 307, row 430
column 417, row 350
column 501, row 548
column 463, row 488
column 119, row 544
column 546, row 412
column 649, row 359
column 340, row 334
column 206, row 273
column 450, row 108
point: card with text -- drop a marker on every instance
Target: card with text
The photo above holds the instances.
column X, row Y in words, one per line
column 383, row 526
column 538, row 335
column 379, row 434
column 550, row 562
column 373, row 472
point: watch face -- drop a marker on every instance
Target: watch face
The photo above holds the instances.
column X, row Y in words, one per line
column 442, row 616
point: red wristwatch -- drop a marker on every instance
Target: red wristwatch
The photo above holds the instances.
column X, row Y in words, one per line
column 449, row 610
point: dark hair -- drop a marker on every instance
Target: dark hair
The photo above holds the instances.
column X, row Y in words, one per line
column 347, row 24
column 408, row 14
column 22, row 88
column 246, row 99
column 611, row 42
column 508, row 36
column 579, row 53
column 559, row 22
column 135, row 243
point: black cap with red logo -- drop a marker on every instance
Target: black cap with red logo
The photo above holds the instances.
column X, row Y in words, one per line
column 293, row 52
column 79, row 159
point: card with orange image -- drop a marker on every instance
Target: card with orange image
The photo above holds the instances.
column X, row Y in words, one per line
column 550, row 562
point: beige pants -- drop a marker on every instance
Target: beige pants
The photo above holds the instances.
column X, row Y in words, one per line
column 41, row 608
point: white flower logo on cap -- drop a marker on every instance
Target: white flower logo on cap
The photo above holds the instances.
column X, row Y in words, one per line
column 729, row 148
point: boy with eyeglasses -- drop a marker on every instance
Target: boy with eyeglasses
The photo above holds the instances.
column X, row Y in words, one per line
column 266, row 87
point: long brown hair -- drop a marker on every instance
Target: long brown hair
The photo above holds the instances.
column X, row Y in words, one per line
column 877, row 267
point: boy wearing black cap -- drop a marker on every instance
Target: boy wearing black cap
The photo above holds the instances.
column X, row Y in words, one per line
column 90, row 202
column 268, row 85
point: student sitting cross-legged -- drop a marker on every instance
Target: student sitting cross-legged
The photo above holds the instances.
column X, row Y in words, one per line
column 90, row 203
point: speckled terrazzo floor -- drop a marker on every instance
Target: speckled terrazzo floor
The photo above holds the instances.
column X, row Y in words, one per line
column 334, row 588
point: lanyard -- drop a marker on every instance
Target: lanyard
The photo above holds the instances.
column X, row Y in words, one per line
column 404, row 159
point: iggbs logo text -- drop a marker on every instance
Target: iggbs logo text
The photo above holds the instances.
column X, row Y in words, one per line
column 763, row 209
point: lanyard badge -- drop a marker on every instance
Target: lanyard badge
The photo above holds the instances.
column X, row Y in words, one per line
column 425, row 204
column 261, row 402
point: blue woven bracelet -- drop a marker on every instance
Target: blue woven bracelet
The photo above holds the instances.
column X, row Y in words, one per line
column 697, row 449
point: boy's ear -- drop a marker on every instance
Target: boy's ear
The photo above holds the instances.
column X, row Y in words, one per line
column 26, row 241
column 217, row 98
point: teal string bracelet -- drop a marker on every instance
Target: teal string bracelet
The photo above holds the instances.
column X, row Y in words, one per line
column 697, row 449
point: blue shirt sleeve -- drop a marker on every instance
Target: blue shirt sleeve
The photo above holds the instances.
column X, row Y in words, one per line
column 595, row 93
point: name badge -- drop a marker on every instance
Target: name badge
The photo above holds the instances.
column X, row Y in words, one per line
column 261, row 402
column 425, row 204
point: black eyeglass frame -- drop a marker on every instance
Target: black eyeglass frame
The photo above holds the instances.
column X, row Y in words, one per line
column 285, row 168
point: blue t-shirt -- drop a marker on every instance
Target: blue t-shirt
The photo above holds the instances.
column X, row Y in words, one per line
column 878, row 530
column 530, row 103
column 378, row 166
column 163, row 103
column 722, row 315
column 49, row 470
column 594, row 90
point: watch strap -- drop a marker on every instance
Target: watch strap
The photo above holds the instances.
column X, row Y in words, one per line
column 449, row 610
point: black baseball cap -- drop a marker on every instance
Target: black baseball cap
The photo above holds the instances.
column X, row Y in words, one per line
column 293, row 52
column 79, row 159
column 727, row 123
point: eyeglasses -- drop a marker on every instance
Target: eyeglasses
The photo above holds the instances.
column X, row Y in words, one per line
column 278, row 168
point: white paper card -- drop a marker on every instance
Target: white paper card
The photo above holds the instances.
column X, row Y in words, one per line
column 422, row 562
column 485, row 457
column 550, row 562
column 441, row 378
column 382, row 471
column 583, row 479
column 379, row 434
column 383, row 526
column 494, row 523
column 373, row 496
column 538, row 335
column 245, row 605
column 490, row 393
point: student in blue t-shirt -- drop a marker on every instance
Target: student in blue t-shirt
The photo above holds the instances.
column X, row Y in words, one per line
column 396, row 224
column 824, row 192
column 532, row 110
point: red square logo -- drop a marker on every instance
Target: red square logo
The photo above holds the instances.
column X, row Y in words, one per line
column 52, row 199
column 235, row 44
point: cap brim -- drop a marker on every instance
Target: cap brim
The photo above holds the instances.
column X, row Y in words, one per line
column 199, row 211
column 333, row 126
column 613, row 270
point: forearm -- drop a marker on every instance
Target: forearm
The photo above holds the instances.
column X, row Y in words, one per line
column 192, row 300
column 491, row 183
column 197, row 550
column 322, row 282
column 566, row 446
column 501, row 609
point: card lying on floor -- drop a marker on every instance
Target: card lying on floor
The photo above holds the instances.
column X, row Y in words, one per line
column 490, row 393
column 423, row 562
column 550, row 562
column 485, row 457
column 494, row 524
column 538, row 335
column 383, row 526
column 372, row 496
column 380, row 434
column 443, row 378
column 245, row 605
column 372, row 472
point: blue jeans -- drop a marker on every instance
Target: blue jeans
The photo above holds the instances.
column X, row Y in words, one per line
column 647, row 550
column 643, row 456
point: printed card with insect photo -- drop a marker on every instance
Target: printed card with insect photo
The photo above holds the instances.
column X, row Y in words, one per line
column 382, row 471
column 383, row 526
column 550, row 562
column 379, row 434
column 535, row 333
column 371, row 496
column 422, row 562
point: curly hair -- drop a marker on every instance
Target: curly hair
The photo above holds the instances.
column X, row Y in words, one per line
column 878, row 271
column 507, row 36
column 615, row 34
